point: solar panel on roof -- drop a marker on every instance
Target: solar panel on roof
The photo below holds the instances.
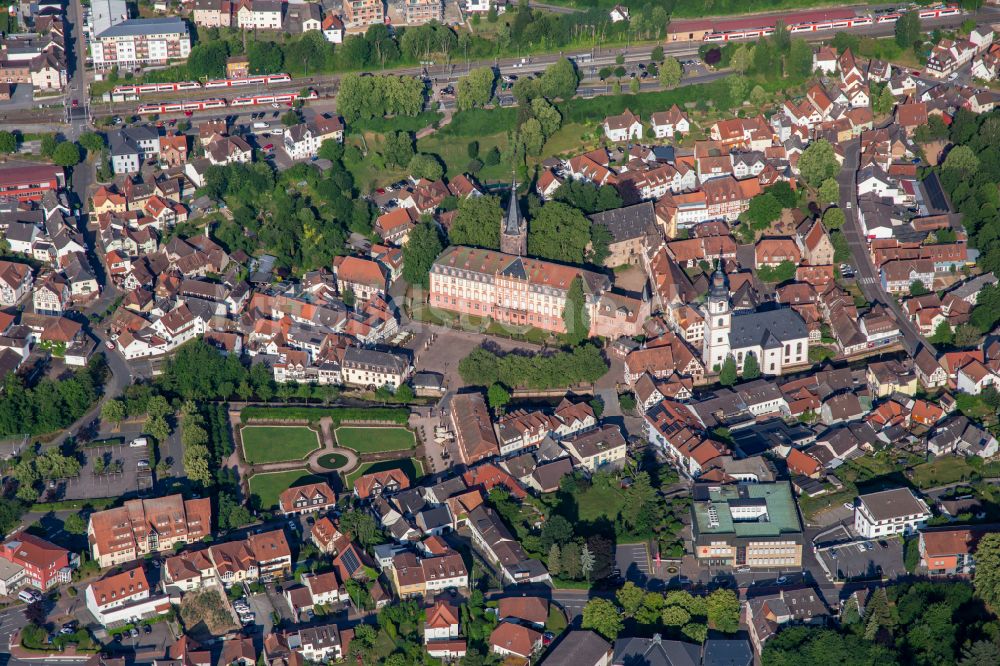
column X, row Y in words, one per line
column 350, row 561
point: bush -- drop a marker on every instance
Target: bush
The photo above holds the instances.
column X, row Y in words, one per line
column 338, row 414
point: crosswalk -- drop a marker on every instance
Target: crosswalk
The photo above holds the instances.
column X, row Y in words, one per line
column 867, row 280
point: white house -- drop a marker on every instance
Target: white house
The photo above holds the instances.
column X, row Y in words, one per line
column 825, row 60
column 618, row 14
column 333, row 29
column 260, row 15
column 15, row 282
column 624, row 127
column 124, row 597
column 300, row 142
column 889, row 512
column 666, row 124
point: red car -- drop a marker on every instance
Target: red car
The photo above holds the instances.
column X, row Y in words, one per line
column 188, row 113
column 76, row 103
column 269, row 146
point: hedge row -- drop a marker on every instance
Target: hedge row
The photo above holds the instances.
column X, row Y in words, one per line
column 338, row 414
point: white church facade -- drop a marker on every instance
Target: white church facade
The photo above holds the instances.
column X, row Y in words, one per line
column 778, row 338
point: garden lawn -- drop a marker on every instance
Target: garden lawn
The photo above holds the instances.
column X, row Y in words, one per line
column 265, row 444
column 454, row 152
column 950, row 469
column 269, row 485
column 371, row 440
column 410, row 466
column 599, row 502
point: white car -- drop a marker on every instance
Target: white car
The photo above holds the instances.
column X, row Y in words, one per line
column 849, row 506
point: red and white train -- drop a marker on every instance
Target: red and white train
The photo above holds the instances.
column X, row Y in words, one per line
column 146, row 88
column 207, row 104
column 940, row 11
column 181, row 107
column 266, row 79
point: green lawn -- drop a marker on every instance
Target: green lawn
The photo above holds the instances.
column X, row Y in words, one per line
column 269, row 485
column 950, row 469
column 332, row 461
column 454, row 152
column 412, row 467
column 371, row 440
column 599, row 502
column 264, row 444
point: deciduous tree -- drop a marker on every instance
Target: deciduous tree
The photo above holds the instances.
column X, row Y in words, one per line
column 603, row 617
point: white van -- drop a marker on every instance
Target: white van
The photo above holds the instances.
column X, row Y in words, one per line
column 139, row 442
column 26, row 596
column 259, row 125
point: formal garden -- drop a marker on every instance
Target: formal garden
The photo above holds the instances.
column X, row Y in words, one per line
column 375, row 439
column 267, row 444
column 268, row 486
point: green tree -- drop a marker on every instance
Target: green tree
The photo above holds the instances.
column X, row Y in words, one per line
column 66, row 154
column 675, row 616
column 602, row 616
column 477, row 223
column 559, row 232
column 980, row 653
column 586, row 562
column 818, row 162
column 8, row 142
column 829, row 191
column 763, row 210
column 633, row 86
column 570, row 562
column 798, row 63
column 398, row 150
column 630, row 598
column 290, row 117
column 498, row 397
column 966, row 335
column 547, row 115
column 560, row 80
column 208, row 59
column 727, row 375
column 917, row 288
column 751, row 367
column 361, row 526
column 833, row 218
column 575, row 315
column 425, row 165
column 986, row 579
column 883, row 102
column 908, row 29
column 92, row 141
column 555, row 560
column 421, row 249
column 656, row 55
column 740, row 60
column 113, row 411
column 671, row 72
column 75, row 524
column 962, row 158
column 157, row 428
column 942, row 334
column 475, row 89
column 724, row 611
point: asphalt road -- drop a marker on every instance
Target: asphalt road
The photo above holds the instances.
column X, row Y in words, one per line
column 868, row 277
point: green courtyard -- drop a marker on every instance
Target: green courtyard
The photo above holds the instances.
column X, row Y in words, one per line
column 269, row 485
column 266, row 444
column 374, row 440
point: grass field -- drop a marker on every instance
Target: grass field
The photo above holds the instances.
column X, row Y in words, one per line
column 600, row 502
column 372, row 440
column 268, row 486
column 454, row 152
column 410, row 466
column 264, row 444
column 332, row 461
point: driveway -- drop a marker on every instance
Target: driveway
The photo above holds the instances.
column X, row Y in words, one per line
column 633, row 561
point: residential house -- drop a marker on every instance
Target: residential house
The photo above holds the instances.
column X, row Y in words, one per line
column 623, row 127
column 889, row 512
column 309, row 498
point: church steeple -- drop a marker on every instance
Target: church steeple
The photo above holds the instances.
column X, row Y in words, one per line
column 513, row 228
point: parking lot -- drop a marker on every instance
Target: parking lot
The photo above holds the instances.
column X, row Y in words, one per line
column 632, row 560
column 844, row 557
column 129, row 479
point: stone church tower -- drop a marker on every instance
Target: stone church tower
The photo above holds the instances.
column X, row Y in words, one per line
column 514, row 228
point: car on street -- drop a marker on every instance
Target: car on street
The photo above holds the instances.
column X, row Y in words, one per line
column 147, row 629
column 833, row 553
column 781, row 580
column 849, row 506
column 133, row 632
column 743, row 570
column 884, row 544
column 109, row 344
column 76, row 103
